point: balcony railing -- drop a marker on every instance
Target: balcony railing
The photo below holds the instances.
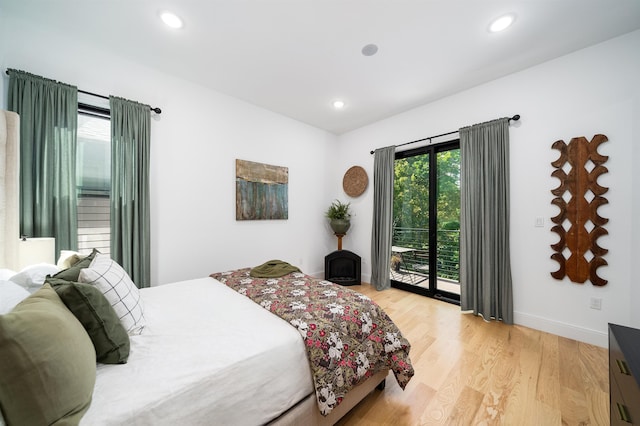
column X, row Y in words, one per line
column 417, row 260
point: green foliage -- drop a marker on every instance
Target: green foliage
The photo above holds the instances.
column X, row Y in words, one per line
column 449, row 187
column 411, row 190
column 338, row 210
column 451, row 226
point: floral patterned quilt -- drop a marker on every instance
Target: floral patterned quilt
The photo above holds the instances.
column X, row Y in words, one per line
column 348, row 337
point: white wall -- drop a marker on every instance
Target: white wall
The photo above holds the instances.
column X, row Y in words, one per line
column 591, row 91
column 194, row 146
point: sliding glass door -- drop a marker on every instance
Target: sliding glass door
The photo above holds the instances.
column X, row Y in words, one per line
column 425, row 249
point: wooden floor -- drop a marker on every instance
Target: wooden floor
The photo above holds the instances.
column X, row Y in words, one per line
column 471, row 372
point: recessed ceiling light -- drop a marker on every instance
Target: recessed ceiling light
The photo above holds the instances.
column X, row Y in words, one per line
column 171, row 20
column 338, row 104
column 370, row 50
column 502, row 23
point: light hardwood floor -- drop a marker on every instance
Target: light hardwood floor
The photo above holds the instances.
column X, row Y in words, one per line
column 472, row 372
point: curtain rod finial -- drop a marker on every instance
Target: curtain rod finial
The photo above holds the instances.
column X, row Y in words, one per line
column 515, row 117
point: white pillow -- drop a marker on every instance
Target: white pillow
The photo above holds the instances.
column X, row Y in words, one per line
column 6, row 274
column 32, row 277
column 10, row 295
column 118, row 289
column 68, row 258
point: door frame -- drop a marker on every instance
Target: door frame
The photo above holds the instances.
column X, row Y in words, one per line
column 432, row 290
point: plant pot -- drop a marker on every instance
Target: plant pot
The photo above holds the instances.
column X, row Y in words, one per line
column 340, row 226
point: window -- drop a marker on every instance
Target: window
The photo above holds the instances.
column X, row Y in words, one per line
column 93, row 181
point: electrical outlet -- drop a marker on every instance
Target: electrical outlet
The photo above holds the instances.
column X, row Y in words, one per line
column 539, row 222
column 596, row 303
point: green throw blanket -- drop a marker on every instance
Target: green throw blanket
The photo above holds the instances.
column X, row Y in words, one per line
column 273, row 269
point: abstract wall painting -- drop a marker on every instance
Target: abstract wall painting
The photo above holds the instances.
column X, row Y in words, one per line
column 579, row 196
column 261, row 191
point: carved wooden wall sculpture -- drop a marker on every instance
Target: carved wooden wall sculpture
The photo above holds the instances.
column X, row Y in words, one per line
column 579, row 214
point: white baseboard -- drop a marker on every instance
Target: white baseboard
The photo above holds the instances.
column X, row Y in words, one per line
column 570, row 331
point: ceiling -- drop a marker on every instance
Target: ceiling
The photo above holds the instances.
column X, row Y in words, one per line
column 296, row 57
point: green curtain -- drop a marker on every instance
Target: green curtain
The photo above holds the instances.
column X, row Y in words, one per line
column 130, row 143
column 382, row 228
column 48, row 138
column 485, row 262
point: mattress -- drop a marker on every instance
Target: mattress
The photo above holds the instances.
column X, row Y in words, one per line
column 207, row 355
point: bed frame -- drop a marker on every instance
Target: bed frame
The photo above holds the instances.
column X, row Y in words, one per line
column 306, row 411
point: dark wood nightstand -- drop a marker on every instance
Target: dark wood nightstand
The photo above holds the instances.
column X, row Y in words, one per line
column 624, row 375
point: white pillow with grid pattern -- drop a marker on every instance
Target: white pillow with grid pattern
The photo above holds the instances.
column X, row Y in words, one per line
column 118, row 289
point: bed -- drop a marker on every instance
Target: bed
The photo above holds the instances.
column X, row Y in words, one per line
column 208, row 354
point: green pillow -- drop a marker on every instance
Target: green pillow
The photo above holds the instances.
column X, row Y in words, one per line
column 72, row 273
column 47, row 363
column 93, row 310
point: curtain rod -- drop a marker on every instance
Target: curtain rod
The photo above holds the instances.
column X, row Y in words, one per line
column 156, row 109
column 514, row 118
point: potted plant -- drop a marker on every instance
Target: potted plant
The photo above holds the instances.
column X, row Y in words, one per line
column 396, row 261
column 339, row 217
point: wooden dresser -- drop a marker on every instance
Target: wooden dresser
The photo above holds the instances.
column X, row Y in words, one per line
column 624, row 375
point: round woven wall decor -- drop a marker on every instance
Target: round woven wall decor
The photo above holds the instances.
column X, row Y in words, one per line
column 355, row 181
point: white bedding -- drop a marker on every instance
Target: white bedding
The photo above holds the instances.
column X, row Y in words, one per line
column 208, row 355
